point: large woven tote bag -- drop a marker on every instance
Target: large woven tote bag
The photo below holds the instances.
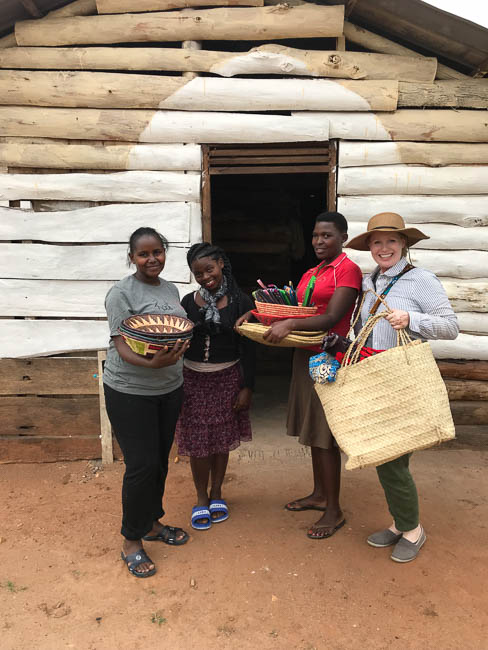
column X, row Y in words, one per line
column 389, row 404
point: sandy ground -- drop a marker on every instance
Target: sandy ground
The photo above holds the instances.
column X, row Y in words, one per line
column 254, row 581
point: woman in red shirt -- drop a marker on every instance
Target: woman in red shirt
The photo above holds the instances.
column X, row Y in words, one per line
column 338, row 282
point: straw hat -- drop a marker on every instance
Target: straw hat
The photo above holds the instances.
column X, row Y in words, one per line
column 386, row 222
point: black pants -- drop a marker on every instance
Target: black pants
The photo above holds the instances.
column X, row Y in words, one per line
column 144, row 427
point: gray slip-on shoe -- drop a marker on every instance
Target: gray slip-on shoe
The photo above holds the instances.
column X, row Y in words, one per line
column 406, row 551
column 383, row 538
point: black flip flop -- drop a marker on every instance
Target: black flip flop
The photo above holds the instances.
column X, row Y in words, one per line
column 133, row 560
column 168, row 535
column 327, row 535
column 301, row 508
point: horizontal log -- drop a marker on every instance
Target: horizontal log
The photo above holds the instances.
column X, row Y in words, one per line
column 76, row 376
column 99, row 262
column 155, row 157
column 133, row 186
column 468, row 390
column 468, row 296
column 26, row 449
column 117, row 90
column 65, row 298
column 410, row 179
column 442, row 237
column 464, row 412
column 433, row 154
column 45, row 416
column 106, row 223
column 236, row 23
column 466, row 346
column 467, row 211
column 428, row 125
column 76, row 8
column 34, row 338
column 462, row 264
column 476, row 370
column 473, row 322
column 159, row 126
column 458, row 94
column 270, row 58
column 377, row 43
column 128, row 6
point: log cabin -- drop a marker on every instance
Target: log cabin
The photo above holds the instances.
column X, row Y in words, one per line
column 235, row 121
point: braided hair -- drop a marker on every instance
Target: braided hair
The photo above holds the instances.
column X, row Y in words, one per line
column 205, row 249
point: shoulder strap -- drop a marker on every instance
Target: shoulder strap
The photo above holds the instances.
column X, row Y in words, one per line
column 406, row 269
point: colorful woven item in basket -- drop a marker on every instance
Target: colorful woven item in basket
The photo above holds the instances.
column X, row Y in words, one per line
column 256, row 332
column 388, row 405
column 323, row 368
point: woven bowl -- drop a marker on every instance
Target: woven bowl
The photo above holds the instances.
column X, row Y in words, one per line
column 158, row 325
column 284, row 311
column 269, row 319
column 145, row 348
column 256, row 331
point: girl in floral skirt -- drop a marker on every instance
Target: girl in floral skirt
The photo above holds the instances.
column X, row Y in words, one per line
column 218, row 375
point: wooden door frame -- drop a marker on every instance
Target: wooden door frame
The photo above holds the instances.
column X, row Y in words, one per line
column 206, row 196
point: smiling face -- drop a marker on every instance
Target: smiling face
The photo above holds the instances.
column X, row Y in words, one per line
column 386, row 249
column 208, row 272
column 327, row 241
column 149, row 257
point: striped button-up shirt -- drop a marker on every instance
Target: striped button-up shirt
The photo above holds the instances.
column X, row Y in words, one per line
column 419, row 293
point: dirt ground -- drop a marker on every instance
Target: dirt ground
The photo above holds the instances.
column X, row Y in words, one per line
column 254, row 581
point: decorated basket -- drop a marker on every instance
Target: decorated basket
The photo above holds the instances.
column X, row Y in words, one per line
column 269, row 319
column 256, row 331
column 284, row 311
column 158, row 324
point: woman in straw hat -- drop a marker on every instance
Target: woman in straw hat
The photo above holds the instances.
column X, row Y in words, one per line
column 418, row 302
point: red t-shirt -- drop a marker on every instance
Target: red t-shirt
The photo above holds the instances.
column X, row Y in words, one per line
column 341, row 272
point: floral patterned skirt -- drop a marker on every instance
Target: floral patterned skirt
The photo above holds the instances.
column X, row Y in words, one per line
column 208, row 424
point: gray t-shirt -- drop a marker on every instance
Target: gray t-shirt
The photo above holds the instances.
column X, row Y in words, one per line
column 126, row 298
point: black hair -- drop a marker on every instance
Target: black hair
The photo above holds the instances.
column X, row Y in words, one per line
column 338, row 219
column 145, row 231
column 205, row 249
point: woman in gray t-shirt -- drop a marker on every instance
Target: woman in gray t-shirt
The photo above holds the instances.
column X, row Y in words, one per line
column 143, row 397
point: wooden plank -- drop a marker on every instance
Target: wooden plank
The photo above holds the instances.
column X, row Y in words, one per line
column 236, row 23
column 130, row 6
column 427, row 125
column 75, row 376
column 133, row 186
column 270, row 58
column 473, row 322
column 268, row 160
column 48, row 450
column 118, row 90
column 65, row 298
column 278, row 169
column 471, row 93
column 459, row 369
column 332, row 179
column 435, row 154
column 206, row 196
column 376, row 43
column 98, row 262
column 105, row 223
column 45, row 416
column 155, row 157
column 467, row 296
column 290, row 149
column 464, row 412
column 462, row 264
column 35, row 338
column 467, row 211
column 105, row 426
column 159, row 126
column 442, row 236
column 410, row 179
column 467, row 389
column 466, row 346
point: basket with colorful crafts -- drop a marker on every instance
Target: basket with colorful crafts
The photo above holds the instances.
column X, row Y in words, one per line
column 274, row 304
column 145, row 334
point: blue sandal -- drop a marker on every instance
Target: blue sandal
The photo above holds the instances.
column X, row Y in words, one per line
column 198, row 513
column 218, row 506
column 133, row 560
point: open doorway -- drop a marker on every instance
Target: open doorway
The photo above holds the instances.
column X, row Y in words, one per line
column 259, row 204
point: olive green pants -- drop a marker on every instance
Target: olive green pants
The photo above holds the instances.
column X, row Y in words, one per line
column 400, row 492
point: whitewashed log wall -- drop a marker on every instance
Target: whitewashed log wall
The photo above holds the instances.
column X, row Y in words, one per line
column 107, row 151
column 426, row 183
